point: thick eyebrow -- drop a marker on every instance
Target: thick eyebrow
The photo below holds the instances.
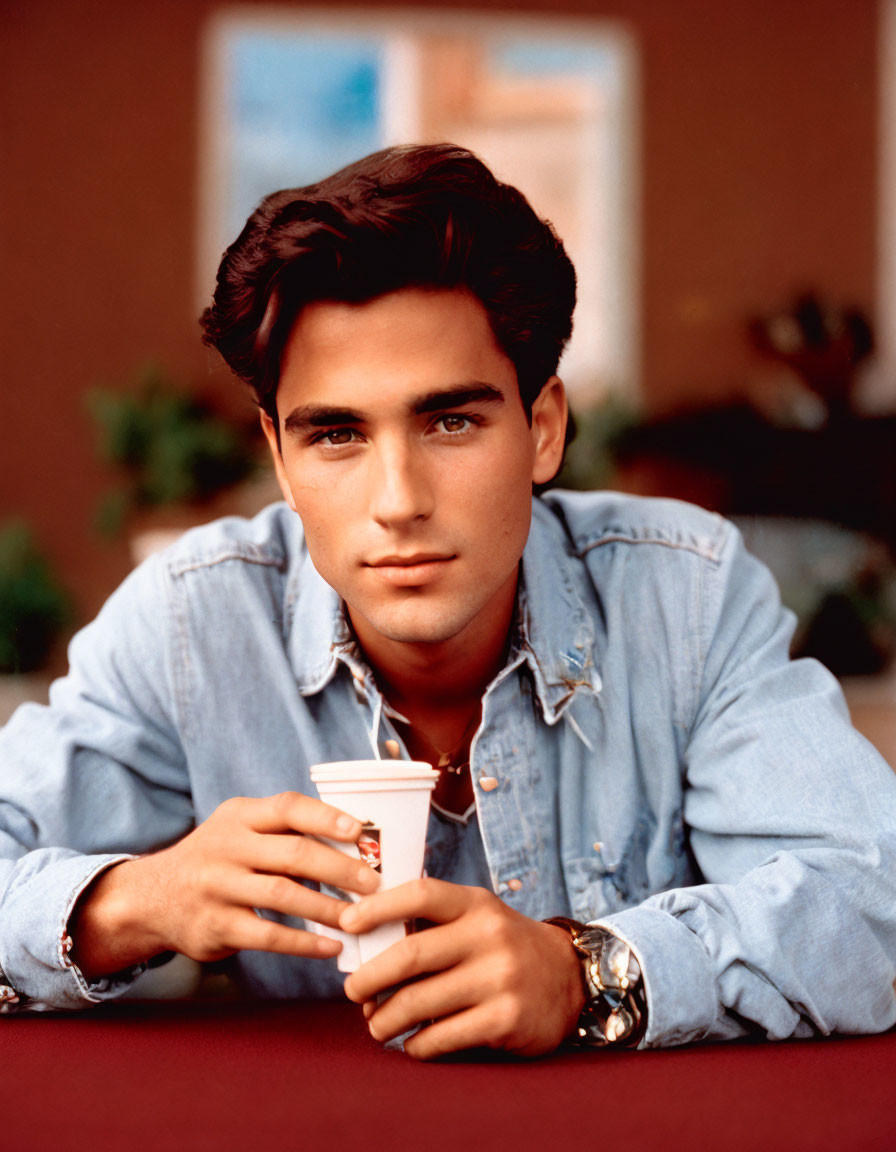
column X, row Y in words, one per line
column 458, row 396
column 319, row 416
column 455, row 396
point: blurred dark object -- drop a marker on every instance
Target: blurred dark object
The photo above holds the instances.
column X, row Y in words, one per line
column 853, row 629
column 170, row 448
column 840, row 584
column 34, row 607
column 844, row 472
column 822, row 343
column 844, row 639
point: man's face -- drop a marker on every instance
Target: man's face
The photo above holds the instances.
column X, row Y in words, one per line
column 407, row 454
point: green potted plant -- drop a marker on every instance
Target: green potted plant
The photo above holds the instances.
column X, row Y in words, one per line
column 173, row 455
column 590, row 461
column 33, row 605
column 34, row 609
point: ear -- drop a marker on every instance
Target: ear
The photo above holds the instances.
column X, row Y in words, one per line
column 270, row 432
column 549, row 415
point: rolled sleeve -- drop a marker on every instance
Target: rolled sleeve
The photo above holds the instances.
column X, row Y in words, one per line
column 36, row 969
column 679, row 982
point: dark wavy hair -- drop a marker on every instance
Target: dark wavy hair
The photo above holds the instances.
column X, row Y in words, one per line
column 416, row 216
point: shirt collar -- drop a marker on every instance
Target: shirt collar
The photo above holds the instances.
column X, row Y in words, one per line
column 317, row 630
column 556, row 625
column 554, row 632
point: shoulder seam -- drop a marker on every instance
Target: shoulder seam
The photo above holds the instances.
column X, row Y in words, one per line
column 712, row 554
column 247, row 556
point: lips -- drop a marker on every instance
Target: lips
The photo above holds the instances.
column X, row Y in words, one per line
column 408, row 561
column 410, row 571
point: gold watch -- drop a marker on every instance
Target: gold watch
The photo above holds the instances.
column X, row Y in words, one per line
column 615, row 1009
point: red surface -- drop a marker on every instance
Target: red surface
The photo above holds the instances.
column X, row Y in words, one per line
column 271, row 1076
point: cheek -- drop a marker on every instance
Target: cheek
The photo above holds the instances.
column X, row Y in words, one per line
column 510, row 486
column 328, row 553
column 322, row 518
column 505, row 507
column 315, row 497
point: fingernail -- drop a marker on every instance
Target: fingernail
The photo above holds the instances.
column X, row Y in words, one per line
column 368, row 879
column 346, row 824
column 348, row 919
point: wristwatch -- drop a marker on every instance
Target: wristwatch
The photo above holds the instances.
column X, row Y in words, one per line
column 615, row 1009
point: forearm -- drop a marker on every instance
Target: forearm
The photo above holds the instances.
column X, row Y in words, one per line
column 788, row 950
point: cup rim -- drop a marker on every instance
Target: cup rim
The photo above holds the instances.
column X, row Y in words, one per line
column 353, row 770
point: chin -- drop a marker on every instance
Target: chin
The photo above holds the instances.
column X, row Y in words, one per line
column 426, row 627
column 422, row 634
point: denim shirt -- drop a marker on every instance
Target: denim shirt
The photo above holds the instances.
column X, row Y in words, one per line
column 662, row 767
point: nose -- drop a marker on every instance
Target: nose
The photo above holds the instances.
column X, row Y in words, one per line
column 400, row 486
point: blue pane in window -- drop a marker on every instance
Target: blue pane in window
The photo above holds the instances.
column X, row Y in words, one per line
column 537, row 58
column 301, row 107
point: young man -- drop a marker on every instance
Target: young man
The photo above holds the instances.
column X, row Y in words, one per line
column 604, row 683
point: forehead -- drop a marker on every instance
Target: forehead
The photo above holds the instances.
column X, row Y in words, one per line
column 413, row 340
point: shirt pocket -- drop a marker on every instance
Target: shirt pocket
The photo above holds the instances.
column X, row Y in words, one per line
column 611, row 878
column 596, row 888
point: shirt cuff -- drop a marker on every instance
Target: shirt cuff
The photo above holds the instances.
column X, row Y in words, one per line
column 679, row 983
column 36, row 970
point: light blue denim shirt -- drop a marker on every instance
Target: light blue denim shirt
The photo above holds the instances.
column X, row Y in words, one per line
column 662, row 767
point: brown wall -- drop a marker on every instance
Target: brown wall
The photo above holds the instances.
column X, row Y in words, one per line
column 758, row 169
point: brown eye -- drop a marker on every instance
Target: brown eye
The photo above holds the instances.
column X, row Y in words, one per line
column 337, row 436
column 454, row 423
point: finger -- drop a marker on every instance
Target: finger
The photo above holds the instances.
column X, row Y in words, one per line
column 420, row 1002
column 293, row 811
column 467, row 1029
column 419, row 954
column 248, row 931
column 308, row 857
column 285, row 896
column 428, row 899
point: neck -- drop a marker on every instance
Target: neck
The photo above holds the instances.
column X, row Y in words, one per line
column 449, row 677
column 445, row 677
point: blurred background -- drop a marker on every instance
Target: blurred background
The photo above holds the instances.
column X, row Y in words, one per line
column 724, row 177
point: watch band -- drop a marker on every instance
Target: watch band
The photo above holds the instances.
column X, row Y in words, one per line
column 615, row 1009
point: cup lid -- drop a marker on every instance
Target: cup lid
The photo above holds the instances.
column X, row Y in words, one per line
column 361, row 770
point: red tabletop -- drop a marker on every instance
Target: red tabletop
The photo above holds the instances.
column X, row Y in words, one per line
column 265, row 1076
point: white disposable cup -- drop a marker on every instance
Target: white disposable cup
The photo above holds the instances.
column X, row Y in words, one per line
column 392, row 797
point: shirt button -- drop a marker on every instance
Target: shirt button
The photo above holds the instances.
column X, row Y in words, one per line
column 488, row 783
column 515, row 884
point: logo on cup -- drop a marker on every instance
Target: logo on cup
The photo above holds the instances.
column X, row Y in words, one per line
column 369, row 845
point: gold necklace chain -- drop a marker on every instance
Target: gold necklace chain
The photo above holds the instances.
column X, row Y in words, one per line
column 446, row 758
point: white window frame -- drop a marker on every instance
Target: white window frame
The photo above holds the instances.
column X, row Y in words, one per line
column 621, row 370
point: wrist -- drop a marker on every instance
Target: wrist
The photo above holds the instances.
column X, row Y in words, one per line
column 110, row 926
column 577, row 997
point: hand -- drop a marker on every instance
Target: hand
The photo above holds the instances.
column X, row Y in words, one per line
column 199, row 896
column 482, row 975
